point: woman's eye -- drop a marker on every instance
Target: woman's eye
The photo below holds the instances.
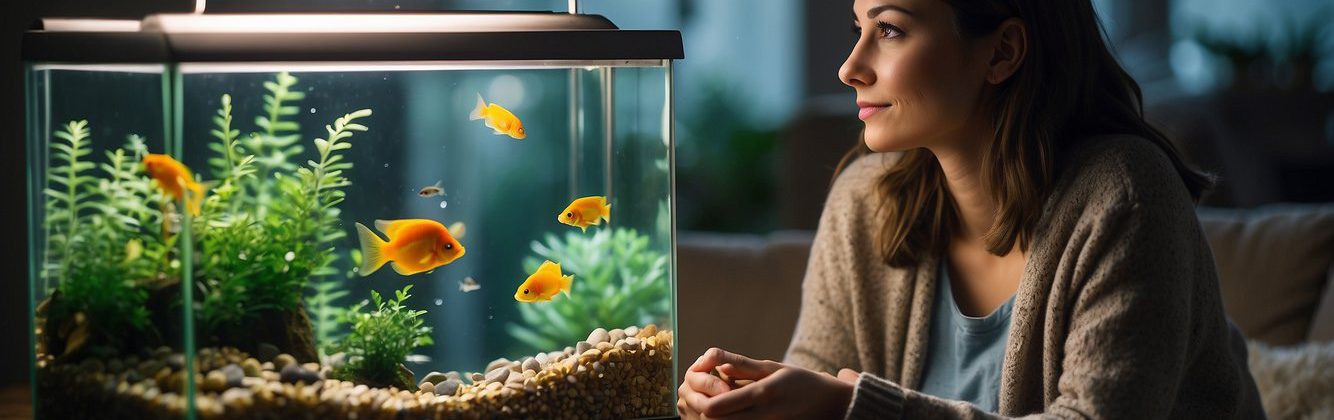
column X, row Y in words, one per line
column 888, row 31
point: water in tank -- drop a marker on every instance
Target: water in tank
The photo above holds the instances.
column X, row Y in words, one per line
column 440, row 215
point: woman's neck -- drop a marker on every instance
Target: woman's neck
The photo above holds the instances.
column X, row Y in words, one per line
column 962, row 168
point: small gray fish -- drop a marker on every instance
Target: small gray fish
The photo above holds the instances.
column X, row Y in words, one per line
column 432, row 190
column 468, row 284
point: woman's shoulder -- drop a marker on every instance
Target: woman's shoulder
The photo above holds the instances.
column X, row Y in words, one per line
column 1118, row 169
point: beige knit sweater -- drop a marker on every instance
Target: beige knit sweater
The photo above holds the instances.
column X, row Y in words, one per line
column 1117, row 314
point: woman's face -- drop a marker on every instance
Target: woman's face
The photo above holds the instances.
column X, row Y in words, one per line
column 917, row 80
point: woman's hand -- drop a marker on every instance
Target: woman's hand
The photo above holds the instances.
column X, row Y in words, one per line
column 779, row 391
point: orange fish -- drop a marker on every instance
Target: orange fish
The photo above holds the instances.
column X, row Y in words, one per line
column 174, row 178
column 498, row 118
column 544, row 284
column 585, row 212
column 414, row 246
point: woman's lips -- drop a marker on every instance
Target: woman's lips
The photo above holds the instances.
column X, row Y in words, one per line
column 868, row 110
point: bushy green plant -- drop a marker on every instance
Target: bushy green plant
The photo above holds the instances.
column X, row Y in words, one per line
column 267, row 227
column 276, row 144
column 619, row 280
column 96, row 231
column 325, row 314
column 381, row 339
column 259, row 251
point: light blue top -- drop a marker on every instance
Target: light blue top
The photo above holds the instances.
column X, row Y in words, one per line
column 964, row 354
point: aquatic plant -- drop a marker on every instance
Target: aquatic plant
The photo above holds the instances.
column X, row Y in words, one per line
column 619, row 280
column 276, row 145
column 325, row 315
column 380, row 340
column 95, row 232
column 263, row 257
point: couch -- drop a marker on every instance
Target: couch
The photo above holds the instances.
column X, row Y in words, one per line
column 743, row 292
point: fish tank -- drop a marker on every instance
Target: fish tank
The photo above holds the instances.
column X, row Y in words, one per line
column 351, row 215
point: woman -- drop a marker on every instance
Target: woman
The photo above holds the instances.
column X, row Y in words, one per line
column 1033, row 249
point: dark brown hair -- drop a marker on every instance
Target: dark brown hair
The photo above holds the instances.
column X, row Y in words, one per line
column 1069, row 86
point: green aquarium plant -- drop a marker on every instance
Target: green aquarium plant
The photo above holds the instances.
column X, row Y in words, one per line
column 267, row 228
column 619, row 280
column 380, row 340
column 100, row 245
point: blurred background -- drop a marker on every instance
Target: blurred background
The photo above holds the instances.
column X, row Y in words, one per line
column 1245, row 87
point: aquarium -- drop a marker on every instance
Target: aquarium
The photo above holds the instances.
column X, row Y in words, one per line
column 426, row 215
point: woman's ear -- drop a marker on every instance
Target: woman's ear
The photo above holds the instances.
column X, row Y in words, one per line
column 1008, row 51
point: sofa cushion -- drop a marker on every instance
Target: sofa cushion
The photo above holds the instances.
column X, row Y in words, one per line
column 1273, row 263
column 1294, row 382
column 739, row 292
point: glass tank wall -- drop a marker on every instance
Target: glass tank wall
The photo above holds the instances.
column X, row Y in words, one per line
column 352, row 240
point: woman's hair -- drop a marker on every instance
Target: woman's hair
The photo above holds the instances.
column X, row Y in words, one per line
column 1069, row 86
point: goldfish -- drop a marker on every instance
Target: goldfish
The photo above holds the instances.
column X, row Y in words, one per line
column 174, row 178
column 585, row 212
column 432, row 190
column 498, row 118
column 544, row 284
column 414, row 246
column 468, row 284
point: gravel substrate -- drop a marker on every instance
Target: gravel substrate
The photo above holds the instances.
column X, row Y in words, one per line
column 622, row 373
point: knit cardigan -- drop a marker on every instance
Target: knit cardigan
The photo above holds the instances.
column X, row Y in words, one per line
column 1117, row 315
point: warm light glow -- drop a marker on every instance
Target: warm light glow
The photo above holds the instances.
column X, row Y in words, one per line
column 89, row 25
column 361, row 23
column 410, row 66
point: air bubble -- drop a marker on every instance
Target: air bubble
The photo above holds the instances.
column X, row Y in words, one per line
column 439, row 302
column 444, row 204
column 386, row 165
column 312, row 110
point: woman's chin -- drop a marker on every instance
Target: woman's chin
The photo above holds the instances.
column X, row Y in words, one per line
column 878, row 140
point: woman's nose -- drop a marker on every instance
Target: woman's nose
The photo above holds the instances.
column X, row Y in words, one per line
column 855, row 72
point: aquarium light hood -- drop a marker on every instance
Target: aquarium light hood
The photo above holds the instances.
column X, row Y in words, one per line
column 345, row 37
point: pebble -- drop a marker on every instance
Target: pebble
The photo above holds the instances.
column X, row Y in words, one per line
column 237, row 397
column 476, row 377
column 294, row 373
column 604, row 346
column 532, row 364
column 251, row 367
column 115, row 366
column 597, row 336
column 542, row 359
column 632, row 342
column 426, row 387
column 448, row 387
column 313, row 367
column 648, row 331
column 234, row 375
column 434, row 378
column 582, row 347
column 215, row 381
column 266, row 366
column 616, row 335
column 632, row 331
column 336, row 360
column 497, row 363
column 176, row 361
column 498, row 375
column 281, row 362
column 266, row 352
